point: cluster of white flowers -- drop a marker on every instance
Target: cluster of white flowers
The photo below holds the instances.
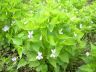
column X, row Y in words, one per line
column 53, row 54
column 5, row 28
column 30, row 34
column 61, row 31
column 14, row 59
column 39, row 56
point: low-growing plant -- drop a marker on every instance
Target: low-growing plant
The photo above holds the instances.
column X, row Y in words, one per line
column 46, row 35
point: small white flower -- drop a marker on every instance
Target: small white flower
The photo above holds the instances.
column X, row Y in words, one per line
column 87, row 53
column 39, row 56
column 14, row 59
column 53, row 54
column 5, row 28
column 41, row 37
column 60, row 31
column 30, row 34
column 53, row 51
column 81, row 25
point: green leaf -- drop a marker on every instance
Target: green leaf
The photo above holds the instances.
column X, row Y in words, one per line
column 34, row 64
column 50, row 27
column 17, row 41
column 53, row 62
column 1, row 65
column 86, row 68
column 36, row 46
column 64, row 56
column 58, row 49
column 21, row 63
column 69, row 42
column 52, row 40
column 19, row 50
column 93, row 50
column 20, row 35
column 31, row 56
column 57, row 69
column 42, row 68
column 66, row 40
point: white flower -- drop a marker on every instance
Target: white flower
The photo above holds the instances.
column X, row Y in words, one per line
column 53, row 54
column 5, row 28
column 87, row 53
column 60, row 31
column 30, row 34
column 39, row 56
column 14, row 59
column 81, row 25
column 40, row 37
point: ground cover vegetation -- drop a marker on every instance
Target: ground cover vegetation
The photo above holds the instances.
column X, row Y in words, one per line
column 47, row 36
